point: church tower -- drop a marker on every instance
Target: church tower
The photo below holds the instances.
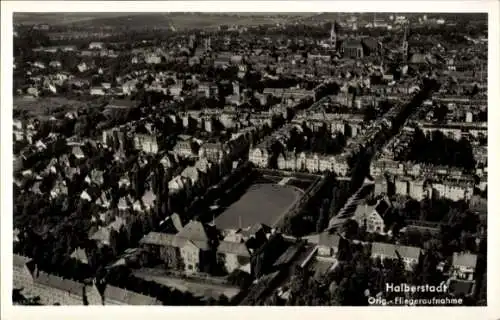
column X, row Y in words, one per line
column 404, row 47
column 333, row 36
column 208, row 44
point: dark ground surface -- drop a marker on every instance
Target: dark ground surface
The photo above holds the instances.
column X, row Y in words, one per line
column 262, row 203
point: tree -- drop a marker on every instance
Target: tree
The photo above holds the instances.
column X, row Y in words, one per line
column 369, row 113
column 350, row 229
column 425, row 209
column 240, row 278
column 114, row 241
column 323, row 216
column 223, row 300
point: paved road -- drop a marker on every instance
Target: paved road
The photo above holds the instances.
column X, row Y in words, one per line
column 403, row 114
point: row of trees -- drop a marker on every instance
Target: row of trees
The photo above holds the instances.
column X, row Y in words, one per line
column 440, row 150
column 319, row 141
column 314, row 217
column 457, row 230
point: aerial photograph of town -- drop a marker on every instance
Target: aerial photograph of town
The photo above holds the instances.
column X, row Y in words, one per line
column 250, row 159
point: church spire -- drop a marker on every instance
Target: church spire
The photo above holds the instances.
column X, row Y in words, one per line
column 333, row 36
column 404, row 47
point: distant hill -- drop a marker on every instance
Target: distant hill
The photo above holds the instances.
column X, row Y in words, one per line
column 61, row 18
column 179, row 20
column 183, row 20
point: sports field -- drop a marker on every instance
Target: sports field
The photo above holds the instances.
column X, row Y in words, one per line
column 262, row 203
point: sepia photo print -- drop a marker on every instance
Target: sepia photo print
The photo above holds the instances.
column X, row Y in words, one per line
column 250, row 159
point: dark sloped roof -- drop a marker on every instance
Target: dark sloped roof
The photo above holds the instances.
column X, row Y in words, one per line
column 122, row 103
column 194, row 230
column 168, row 239
column 176, row 221
column 56, row 282
column 19, row 261
column 421, row 58
column 461, row 287
column 158, row 238
column 352, row 43
column 389, row 250
column 80, row 254
column 287, row 256
column 418, row 58
column 464, row 259
column 128, row 297
column 382, row 207
column 371, row 43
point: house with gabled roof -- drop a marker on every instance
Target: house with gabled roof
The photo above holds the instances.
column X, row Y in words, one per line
column 96, row 176
column 189, row 249
column 78, row 152
column 59, row 189
column 463, row 266
column 80, row 254
column 104, row 200
column 408, row 255
column 235, row 256
column 375, row 217
column 169, row 160
column 35, row 188
column 124, row 182
column 238, row 246
column 51, row 166
column 202, row 165
column 184, row 146
column 212, row 151
column 103, row 217
column 40, row 146
column 103, row 234
column 148, row 200
column 64, row 160
column 137, row 206
column 85, row 196
column 82, row 67
column 192, row 174
column 15, row 235
column 177, row 183
column 70, row 172
column 125, row 202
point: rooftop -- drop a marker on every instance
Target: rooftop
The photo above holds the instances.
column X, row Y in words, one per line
column 237, row 248
column 193, row 232
column 464, row 259
column 128, row 297
column 392, row 251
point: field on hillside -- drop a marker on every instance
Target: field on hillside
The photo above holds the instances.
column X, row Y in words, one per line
column 62, row 18
column 44, row 107
column 179, row 20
